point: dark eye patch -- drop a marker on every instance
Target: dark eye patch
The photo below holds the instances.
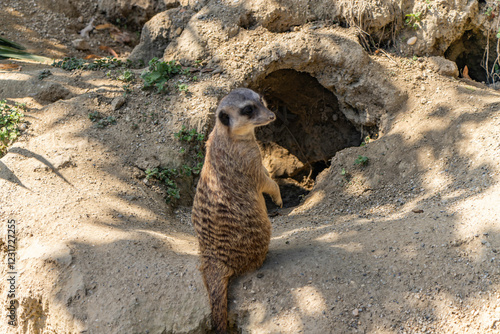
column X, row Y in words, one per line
column 248, row 111
column 224, row 118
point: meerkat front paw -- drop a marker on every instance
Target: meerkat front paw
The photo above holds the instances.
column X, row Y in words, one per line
column 278, row 201
column 277, row 197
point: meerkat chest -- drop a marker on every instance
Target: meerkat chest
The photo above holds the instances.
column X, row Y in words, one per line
column 246, row 161
column 236, row 166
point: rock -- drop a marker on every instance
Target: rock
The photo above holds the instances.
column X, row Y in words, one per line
column 171, row 3
column 442, row 28
column 444, row 66
column 412, row 40
column 355, row 312
column 52, row 92
column 279, row 162
column 190, row 42
column 54, row 164
column 118, row 102
column 137, row 12
column 145, row 163
column 63, row 161
column 81, row 44
column 158, row 32
column 137, row 173
column 280, row 20
column 233, row 31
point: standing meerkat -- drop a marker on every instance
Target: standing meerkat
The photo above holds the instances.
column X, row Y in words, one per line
column 229, row 211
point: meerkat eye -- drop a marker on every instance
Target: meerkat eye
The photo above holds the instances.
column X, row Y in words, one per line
column 224, row 118
column 247, row 111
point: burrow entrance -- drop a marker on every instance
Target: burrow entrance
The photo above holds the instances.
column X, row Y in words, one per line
column 470, row 50
column 308, row 131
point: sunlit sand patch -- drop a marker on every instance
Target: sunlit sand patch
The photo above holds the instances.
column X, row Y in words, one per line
column 185, row 245
column 313, row 200
column 309, row 300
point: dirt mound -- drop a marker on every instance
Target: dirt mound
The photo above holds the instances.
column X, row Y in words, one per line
column 389, row 166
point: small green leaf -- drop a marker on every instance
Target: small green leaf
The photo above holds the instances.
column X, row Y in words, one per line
column 361, row 160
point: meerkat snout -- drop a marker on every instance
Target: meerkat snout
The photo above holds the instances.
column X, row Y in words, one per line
column 271, row 116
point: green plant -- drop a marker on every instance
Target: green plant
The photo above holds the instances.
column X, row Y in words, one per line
column 189, row 136
column 490, row 9
column 43, row 74
column 365, row 141
column 195, row 148
column 10, row 118
column 171, row 176
column 182, row 87
column 126, row 89
column 10, row 49
column 126, row 76
column 159, row 72
column 71, row 64
column 100, row 120
column 361, row 160
column 106, row 121
column 167, row 176
column 412, row 19
column 94, row 116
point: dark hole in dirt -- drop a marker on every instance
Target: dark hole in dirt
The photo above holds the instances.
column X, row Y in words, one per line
column 308, row 131
column 291, row 194
column 247, row 21
column 470, row 50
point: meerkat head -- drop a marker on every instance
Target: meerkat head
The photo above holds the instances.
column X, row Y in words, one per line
column 242, row 110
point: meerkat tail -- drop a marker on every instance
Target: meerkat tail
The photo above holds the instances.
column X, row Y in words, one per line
column 216, row 276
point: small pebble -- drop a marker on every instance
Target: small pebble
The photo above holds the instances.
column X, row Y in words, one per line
column 118, row 102
column 411, row 40
column 81, row 44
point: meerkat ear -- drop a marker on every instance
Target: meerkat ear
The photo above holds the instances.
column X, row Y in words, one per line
column 224, row 118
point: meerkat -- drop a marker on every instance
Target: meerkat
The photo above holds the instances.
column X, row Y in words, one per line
column 229, row 212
